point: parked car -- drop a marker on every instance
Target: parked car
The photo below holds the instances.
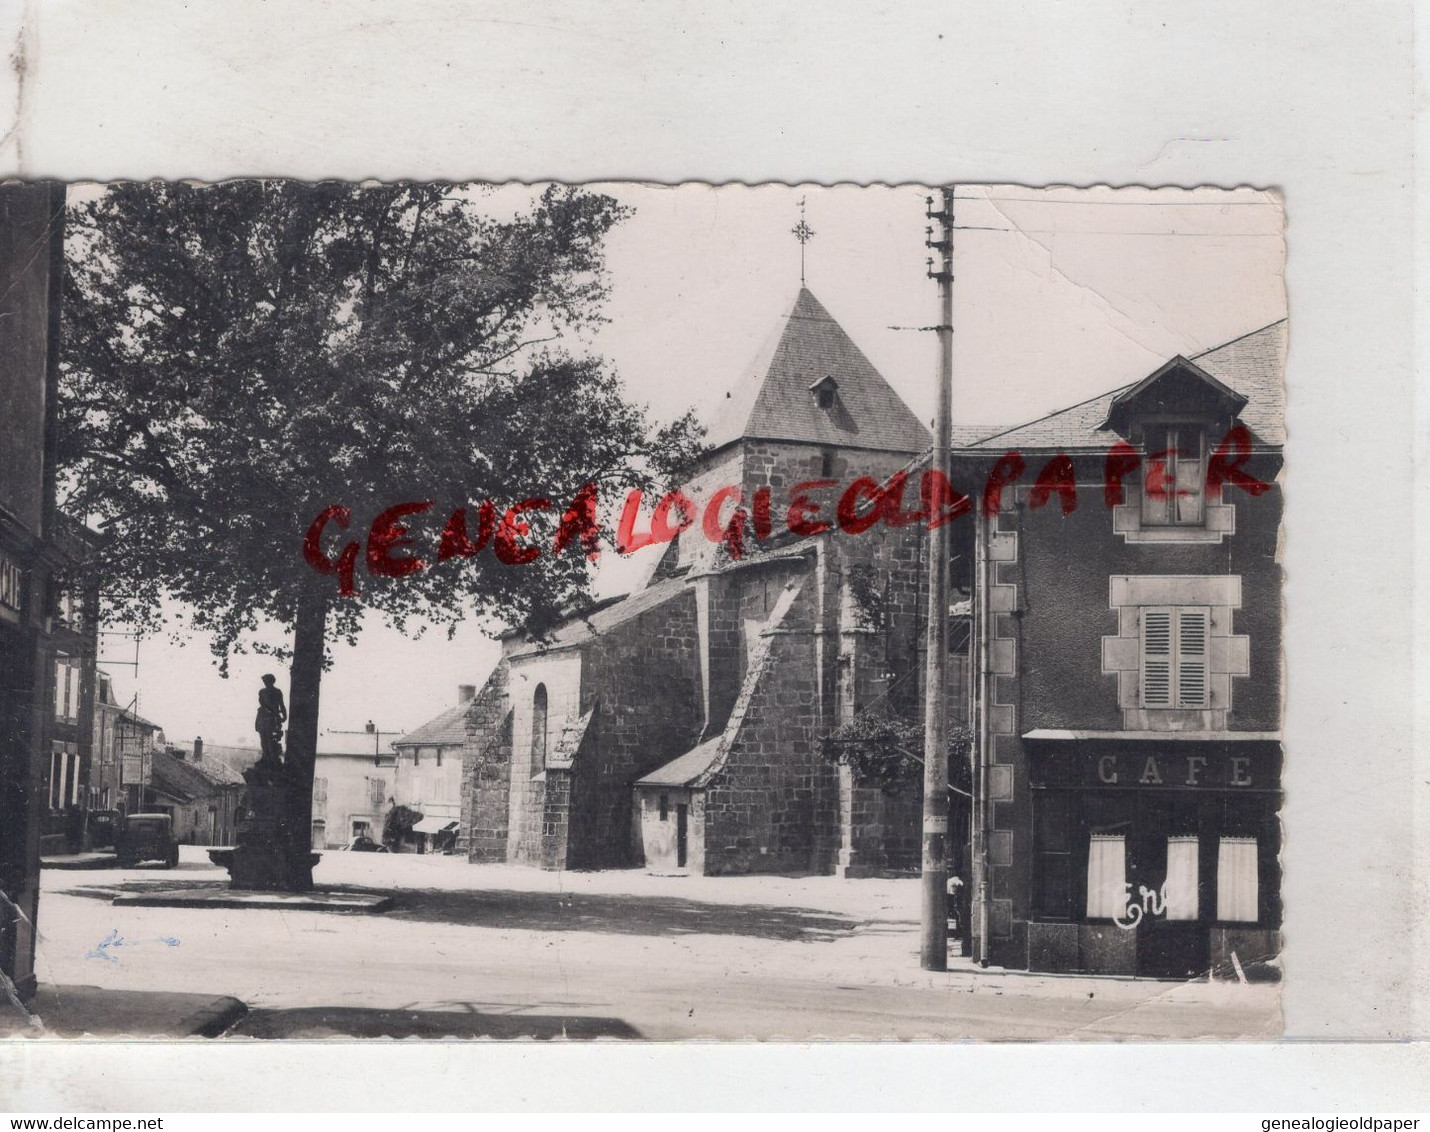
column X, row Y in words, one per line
column 147, row 837
column 104, row 828
column 364, row 844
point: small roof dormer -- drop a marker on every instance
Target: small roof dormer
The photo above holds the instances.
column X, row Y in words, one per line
column 1178, row 388
column 825, row 391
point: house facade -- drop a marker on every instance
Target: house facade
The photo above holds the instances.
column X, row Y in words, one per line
column 1128, row 694
column 683, row 726
column 70, row 780
column 352, row 792
column 122, row 745
column 32, row 559
column 427, row 777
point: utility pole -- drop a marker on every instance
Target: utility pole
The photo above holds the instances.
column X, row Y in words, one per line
column 933, row 950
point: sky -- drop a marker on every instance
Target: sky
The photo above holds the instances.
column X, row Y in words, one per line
column 1059, row 294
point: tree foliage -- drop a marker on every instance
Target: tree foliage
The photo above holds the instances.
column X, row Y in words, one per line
column 887, row 751
column 236, row 357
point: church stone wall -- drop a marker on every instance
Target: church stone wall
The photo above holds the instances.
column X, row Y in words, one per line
column 644, row 675
column 560, row 673
column 486, row 771
column 773, row 806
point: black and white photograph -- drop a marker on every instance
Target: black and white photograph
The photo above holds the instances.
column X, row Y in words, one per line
column 673, row 559
column 643, row 612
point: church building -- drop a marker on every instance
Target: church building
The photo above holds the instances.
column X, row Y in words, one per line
column 681, row 726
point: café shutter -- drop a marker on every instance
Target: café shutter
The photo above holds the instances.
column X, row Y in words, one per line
column 1192, row 631
column 1157, row 658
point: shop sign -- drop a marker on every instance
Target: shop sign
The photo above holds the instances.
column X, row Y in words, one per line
column 12, row 584
column 1205, row 771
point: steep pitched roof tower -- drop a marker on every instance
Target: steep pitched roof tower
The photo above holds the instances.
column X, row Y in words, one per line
column 812, row 385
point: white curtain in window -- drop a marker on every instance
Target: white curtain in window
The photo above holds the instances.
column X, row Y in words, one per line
column 1106, row 876
column 1236, row 890
column 1181, row 878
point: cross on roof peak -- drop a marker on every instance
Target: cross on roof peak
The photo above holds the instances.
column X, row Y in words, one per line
column 803, row 233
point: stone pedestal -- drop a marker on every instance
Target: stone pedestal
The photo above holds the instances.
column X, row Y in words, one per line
column 272, row 853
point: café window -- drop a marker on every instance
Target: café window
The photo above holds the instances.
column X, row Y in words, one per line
column 1174, row 657
column 1182, row 886
column 1237, row 886
column 1106, row 876
column 1174, row 476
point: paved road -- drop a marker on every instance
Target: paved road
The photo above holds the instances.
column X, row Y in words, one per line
column 508, row 952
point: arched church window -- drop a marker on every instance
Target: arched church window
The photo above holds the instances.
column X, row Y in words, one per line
column 538, row 729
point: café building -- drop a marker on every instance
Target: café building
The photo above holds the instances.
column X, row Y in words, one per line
column 1127, row 675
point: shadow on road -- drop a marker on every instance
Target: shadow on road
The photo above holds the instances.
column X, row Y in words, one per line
column 615, row 914
column 358, row 1022
column 571, row 912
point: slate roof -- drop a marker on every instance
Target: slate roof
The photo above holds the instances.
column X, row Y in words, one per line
column 687, row 768
column 1252, row 365
column 447, row 730
column 604, row 618
column 187, row 780
column 127, row 715
column 773, row 400
column 235, row 759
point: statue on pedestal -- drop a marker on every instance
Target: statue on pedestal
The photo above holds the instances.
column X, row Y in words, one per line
column 272, row 845
column 272, row 715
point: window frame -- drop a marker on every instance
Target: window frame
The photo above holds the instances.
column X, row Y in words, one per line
column 1181, row 664
column 1169, row 434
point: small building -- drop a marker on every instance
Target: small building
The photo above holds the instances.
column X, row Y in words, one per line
column 202, row 795
column 124, row 744
column 69, row 781
column 353, row 784
column 427, row 777
column 352, row 790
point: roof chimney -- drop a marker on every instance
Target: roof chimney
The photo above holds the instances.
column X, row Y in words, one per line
column 466, row 693
column 198, row 748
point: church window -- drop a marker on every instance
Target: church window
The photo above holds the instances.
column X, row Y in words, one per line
column 538, row 729
column 826, row 464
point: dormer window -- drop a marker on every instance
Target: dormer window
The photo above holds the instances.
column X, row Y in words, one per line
column 1174, row 475
column 825, row 390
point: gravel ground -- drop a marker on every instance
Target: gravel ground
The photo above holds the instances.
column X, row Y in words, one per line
column 492, row 951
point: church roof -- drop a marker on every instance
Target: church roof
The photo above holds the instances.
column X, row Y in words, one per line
column 606, row 616
column 685, row 770
column 1251, row 366
column 777, row 399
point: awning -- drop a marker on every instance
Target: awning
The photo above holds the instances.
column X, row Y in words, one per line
column 434, row 825
column 1158, row 736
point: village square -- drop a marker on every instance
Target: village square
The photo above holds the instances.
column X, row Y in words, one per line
column 784, row 701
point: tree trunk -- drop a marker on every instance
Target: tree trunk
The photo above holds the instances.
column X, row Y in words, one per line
column 305, row 677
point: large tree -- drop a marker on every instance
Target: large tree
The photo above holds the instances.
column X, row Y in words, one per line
column 238, row 357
